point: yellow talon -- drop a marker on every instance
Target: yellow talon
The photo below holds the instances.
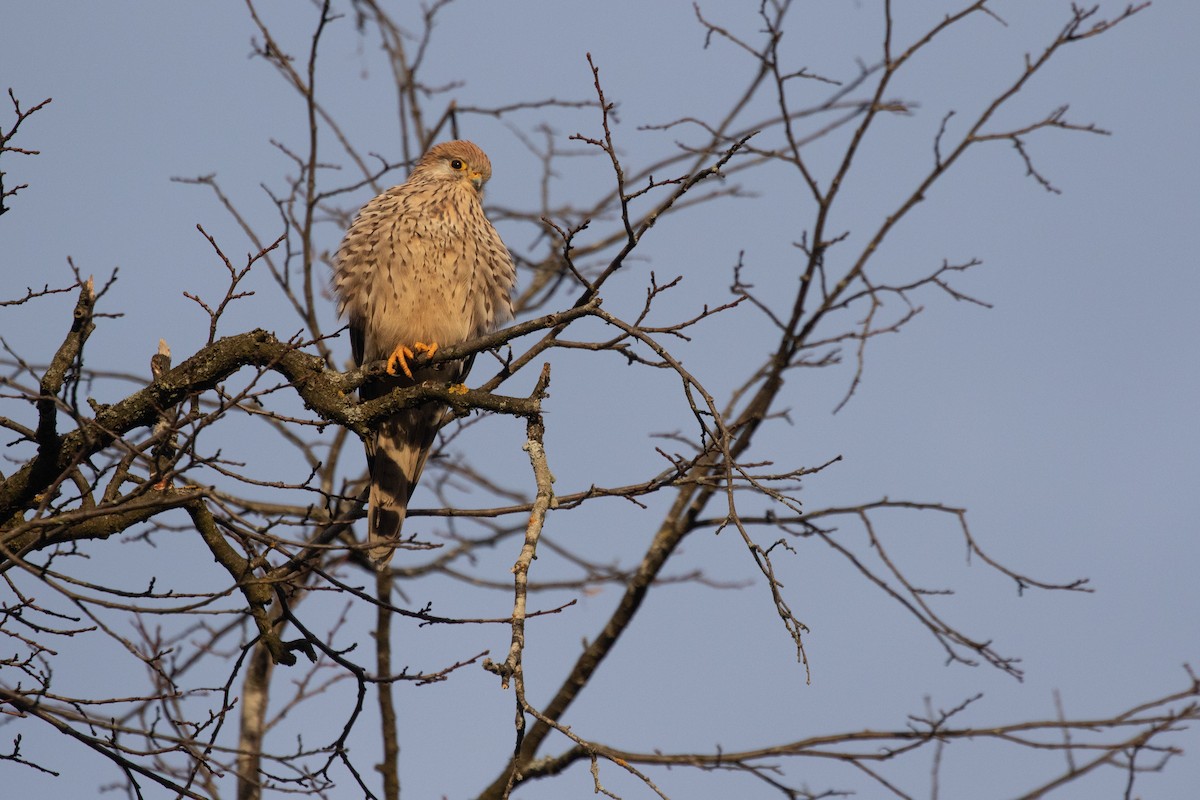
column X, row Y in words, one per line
column 403, row 353
column 457, row 388
column 400, row 356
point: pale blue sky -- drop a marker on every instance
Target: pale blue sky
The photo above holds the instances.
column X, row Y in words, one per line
column 1065, row 418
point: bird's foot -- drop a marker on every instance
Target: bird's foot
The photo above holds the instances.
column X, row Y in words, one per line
column 401, row 355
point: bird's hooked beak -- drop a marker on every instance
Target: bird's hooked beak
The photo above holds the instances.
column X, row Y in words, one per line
column 477, row 180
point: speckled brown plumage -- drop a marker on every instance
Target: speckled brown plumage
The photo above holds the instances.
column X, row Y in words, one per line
column 421, row 265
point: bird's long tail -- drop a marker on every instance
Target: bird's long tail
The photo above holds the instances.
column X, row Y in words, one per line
column 396, row 458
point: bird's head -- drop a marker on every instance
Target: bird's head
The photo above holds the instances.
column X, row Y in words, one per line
column 458, row 160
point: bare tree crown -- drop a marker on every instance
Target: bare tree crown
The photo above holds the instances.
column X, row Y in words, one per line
column 263, row 604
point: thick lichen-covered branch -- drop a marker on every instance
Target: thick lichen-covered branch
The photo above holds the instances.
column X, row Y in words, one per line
column 325, row 392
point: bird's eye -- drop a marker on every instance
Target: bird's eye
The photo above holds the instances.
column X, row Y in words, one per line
column 457, row 164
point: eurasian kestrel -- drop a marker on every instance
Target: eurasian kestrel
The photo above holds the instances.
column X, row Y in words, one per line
column 420, row 267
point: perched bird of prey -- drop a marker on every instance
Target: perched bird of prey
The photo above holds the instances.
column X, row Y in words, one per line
column 420, row 267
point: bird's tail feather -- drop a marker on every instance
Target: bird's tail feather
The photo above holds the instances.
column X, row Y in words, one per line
column 396, row 458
